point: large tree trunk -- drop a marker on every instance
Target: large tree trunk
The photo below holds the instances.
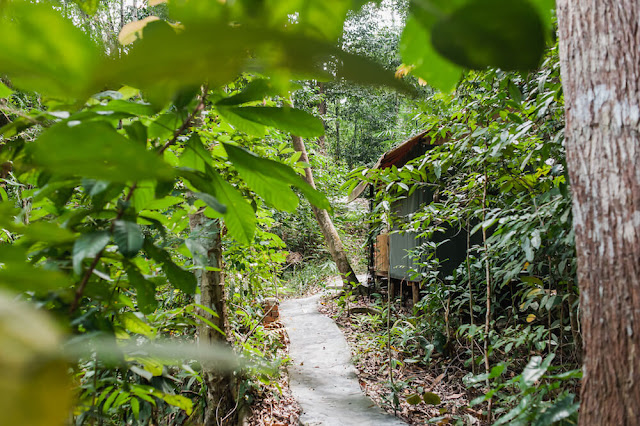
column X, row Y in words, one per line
column 334, row 244
column 600, row 64
column 207, row 252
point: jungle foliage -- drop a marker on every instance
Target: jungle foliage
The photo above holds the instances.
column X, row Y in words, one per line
column 120, row 122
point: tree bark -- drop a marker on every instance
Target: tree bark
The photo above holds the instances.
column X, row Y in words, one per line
column 600, row 68
column 331, row 237
column 220, row 404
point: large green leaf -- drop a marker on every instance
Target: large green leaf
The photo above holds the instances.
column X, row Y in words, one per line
column 150, row 64
column 96, row 150
column 178, row 277
column 290, row 120
column 416, row 51
column 506, row 34
column 5, row 92
column 88, row 245
column 145, row 290
column 256, row 90
column 272, row 180
column 44, row 52
column 240, row 217
column 212, row 202
column 128, row 236
column 18, row 275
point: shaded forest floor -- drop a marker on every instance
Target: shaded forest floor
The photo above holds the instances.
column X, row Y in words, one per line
column 370, row 356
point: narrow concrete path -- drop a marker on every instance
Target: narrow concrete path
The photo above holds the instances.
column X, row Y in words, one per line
column 322, row 377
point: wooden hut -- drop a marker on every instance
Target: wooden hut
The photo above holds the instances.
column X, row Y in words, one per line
column 388, row 250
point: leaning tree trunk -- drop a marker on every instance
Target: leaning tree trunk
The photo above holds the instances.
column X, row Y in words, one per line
column 207, row 252
column 334, row 244
column 600, row 65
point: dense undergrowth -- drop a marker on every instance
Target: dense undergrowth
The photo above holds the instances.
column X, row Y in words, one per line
column 508, row 314
column 102, row 182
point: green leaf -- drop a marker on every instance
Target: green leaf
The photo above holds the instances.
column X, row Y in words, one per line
column 177, row 401
column 5, row 92
column 179, row 278
column 145, row 290
column 90, row 7
column 240, row 218
column 414, row 399
column 150, row 63
column 431, row 398
column 88, row 245
column 42, row 51
column 96, row 150
column 164, row 126
column 290, row 120
column 212, row 202
column 535, row 369
column 256, row 90
column 41, row 231
column 271, row 179
column 506, row 34
column 496, row 371
column 560, row 410
column 135, row 407
column 416, row 50
column 128, row 236
column 21, row 277
column 132, row 323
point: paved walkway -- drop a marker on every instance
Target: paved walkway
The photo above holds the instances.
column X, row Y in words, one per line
column 323, row 379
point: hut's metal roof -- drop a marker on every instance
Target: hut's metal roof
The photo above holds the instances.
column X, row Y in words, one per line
column 397, row 156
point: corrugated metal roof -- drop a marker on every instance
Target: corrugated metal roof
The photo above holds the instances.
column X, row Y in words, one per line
column 398, row 157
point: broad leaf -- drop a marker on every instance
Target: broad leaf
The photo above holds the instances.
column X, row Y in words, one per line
column 132, row 323
column 44, row 52
column 88, row 245
column 240, row 218
column 90, row 7
column 535, row 369
column 128, row 236
column 290, row 120
column 21, row 277
column 559, row 411
column 145, row 290
column 5, row 92
column 256, row 90
column 212, row 202
column 431, row 398
column 506, row 34
column 414, row 399
column 271, row 180
column 96, row 150
column 178, row 277
column 416, row 50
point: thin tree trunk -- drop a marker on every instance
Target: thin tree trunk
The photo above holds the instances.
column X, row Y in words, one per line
column 600, row 67
column 487, row 269
column 331, row 237
column 322, row 111
column 220, row 404
column 337, row 129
